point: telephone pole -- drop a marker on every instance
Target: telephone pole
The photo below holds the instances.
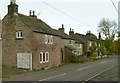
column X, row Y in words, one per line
column 119, row 28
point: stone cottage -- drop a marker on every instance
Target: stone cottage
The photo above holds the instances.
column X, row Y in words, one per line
column 71, row 45
column 28, row 42
column 86, row 40
column 68, row 43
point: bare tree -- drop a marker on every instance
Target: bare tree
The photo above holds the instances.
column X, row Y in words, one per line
column 108, row 28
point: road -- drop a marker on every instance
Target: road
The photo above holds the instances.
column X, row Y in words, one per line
column 77, row 72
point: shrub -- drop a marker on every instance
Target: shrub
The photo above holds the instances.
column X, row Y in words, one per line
column 74, row 58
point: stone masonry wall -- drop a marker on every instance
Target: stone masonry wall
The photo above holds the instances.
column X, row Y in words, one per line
column 11, row 45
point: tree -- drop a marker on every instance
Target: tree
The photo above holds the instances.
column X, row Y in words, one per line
column 93, row 49
column 109, row 30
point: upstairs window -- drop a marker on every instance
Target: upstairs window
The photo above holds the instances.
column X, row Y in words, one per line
column 19, row 34
column 48, row 39
column 90, row 44
column 71, row 42
column 51, row 39
column 79, row 45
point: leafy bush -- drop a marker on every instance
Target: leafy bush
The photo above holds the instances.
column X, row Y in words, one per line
column 74, row 58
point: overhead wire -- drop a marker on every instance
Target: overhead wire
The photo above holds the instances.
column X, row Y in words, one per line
column 115, row 7
column 65, row 13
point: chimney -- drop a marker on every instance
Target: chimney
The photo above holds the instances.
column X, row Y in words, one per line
column 99, row 36
column 12, row 8
column 88, row 33
column 62, row 26
column 32, row 14
column 71, row 32
column 62, row 29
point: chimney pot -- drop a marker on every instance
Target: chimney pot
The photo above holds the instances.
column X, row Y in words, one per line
column 13, row 1
column 30, row 12
column 62, row 26
column 33, row 12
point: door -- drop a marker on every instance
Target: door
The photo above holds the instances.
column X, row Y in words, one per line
column 24, row 60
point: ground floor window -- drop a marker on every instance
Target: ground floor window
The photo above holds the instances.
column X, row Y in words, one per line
column 44, row 57
column 41, row 57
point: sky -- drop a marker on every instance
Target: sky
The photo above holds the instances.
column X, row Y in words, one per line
column 80, row 15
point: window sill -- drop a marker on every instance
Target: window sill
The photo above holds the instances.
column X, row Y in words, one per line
column 18, row 38
column 44, row 62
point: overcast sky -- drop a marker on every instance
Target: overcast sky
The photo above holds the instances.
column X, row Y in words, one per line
column 80, row 15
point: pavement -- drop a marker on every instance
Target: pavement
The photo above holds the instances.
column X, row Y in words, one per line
column 101, row 70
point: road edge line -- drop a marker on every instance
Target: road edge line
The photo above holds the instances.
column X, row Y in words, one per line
column 99, row 73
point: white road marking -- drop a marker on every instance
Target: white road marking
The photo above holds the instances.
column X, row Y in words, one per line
column 99, row 73
column 52, row 77
column 86, row 67
column 78, row 69
column 91, row 65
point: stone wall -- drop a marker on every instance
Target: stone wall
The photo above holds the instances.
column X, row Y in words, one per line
column 54, row 51
column 31, row 42
column 11, row 46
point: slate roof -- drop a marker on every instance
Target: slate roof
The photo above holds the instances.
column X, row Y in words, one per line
column 84, row 38
column 65, row 36
column 37, row 25
column 70, row 47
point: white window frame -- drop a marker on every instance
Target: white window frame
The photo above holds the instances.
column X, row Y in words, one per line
column 90, row 43
column 19, row 34
column 41, row 54
column 48, row 39
column 80, row 46
column 71, row 42
column 46, row 56
column 51, row 39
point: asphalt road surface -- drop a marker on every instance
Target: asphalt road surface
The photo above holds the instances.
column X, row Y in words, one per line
column 78, row 72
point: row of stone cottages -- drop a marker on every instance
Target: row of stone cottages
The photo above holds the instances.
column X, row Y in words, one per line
column 28, row 42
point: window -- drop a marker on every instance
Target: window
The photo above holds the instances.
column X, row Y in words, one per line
column 51, row 39
column 79, row 45
column 47, row 56
column 19, row 34
column 90, row 44
column 41, row 57
column 44, row 57
column 48, row 39
column 71, row 42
